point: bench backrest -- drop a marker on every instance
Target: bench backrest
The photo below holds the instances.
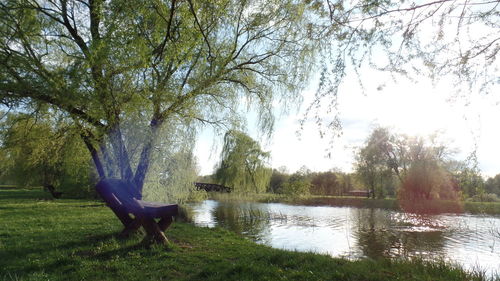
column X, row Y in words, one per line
column 119, row 195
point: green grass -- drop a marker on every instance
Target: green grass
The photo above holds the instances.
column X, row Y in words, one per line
column 492, row 208
column 44, row 239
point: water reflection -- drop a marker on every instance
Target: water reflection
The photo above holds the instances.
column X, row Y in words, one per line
column 360, row 232
column 384, row 234
column 243, row 218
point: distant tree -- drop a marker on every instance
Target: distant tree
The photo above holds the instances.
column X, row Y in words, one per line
column 206, row 179
column 427, row 180
column 278, row 178
column 298, row 183
column 45, row 151
column 326, row 183
column 243, row 164
column 372, row 166
column 425, row 183
column 348, row 182
column 492, row 185
column 384, row 161
column 469, row 180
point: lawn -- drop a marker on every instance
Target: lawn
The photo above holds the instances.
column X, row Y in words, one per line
column 42, row 239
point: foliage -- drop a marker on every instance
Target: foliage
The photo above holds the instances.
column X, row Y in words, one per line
column 298, row 184
column 174, row 179
column 484, row 197
column 278, row 178
column 373, row 167
column 331, row 183
column 295, row 187
column 324, row 183
column 174, row 167
column 470, row 181
column 48, row 150
column 111, row 65
column 427, row 182
column 492, row 185
column 243, row 164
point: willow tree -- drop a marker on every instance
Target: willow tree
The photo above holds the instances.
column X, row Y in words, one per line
column 243, row 164
column 115, row 67
column 45, row 148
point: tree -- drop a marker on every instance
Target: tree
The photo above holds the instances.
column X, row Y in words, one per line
column 243, row 164
column 492, row 185
column 99, row 62
column 45, row 148
column 115, row 67
column 326, row 183
column 386, row 158
column 372, row 165
column 299, row 183
column 278, row 178
column 421, row 165
column 426, row 183
column 469, row 180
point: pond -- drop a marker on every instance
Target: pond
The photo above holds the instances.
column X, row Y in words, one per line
column 472, row 241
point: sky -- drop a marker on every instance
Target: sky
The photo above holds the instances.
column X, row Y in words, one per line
column 413, row 108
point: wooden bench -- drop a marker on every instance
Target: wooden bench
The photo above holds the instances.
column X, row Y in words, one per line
column 124, row 201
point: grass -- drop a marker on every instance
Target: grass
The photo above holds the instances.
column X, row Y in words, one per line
column 492, row 208
column 488, row 208
column 43, row 239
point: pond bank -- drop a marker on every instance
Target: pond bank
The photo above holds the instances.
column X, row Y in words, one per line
column 488, row 208
column 44, row 239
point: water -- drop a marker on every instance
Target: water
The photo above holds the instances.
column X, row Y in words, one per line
column 472, row 241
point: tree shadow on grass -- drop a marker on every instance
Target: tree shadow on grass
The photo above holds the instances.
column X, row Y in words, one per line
column 66, row 257
column 18, row 194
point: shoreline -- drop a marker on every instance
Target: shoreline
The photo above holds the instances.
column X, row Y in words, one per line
column 69, row 239
column 486, row 208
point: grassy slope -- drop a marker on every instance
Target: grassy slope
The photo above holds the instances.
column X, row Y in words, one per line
column 75, row 240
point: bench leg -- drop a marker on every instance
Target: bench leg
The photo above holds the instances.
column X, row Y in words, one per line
column 131, row 228
column 153, row 231
column 165, row 222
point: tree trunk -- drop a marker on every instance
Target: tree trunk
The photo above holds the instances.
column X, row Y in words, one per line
column 121, row 153
column 95, row 156
column 145, row 159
